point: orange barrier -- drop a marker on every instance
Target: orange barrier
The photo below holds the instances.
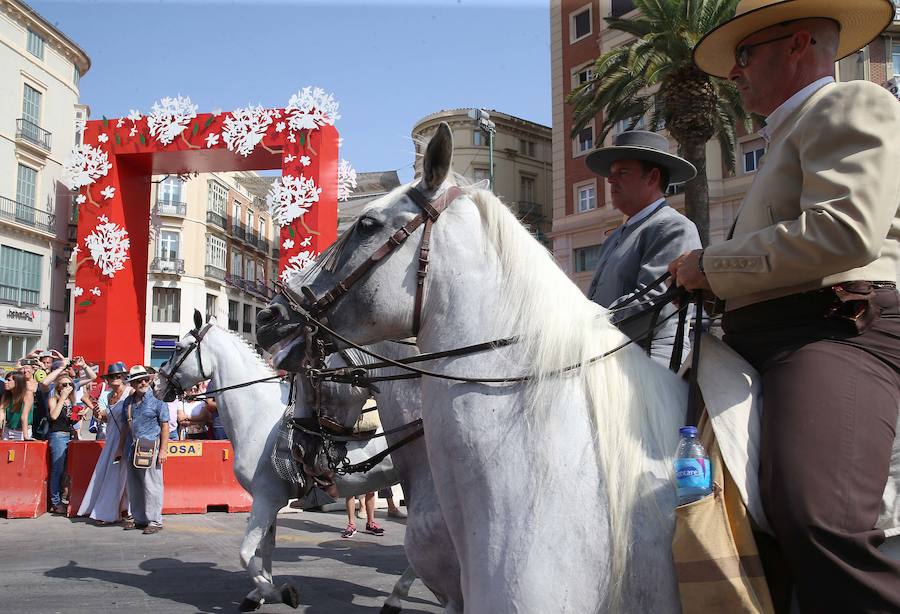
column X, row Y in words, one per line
column 199, row 477
column 24, row 471
column 81, row 458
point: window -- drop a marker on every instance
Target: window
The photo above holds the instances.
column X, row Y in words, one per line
column 479, row 138
column 237, row 265
column 168, row 245
column 166, row 304
column 248, row 318
column 250, row 267
column 582, row 76
column 579, row 24
column 26, row 191
column 236, row 213
column 753, row 153
column 31, row 105
column 76, row 77
column 262, row 228
column 13, row 347
column 68, row 305
column 895, row 57
column 35, row 44
column 481, row 174
column 218, row 196
column 587, row 198
column 170, row 190
column 215, row 252
column 586, row 258
column 161, row 349
column 232, row 315
column 211, row 300
column 260, row 272
column 585, row 140
column 620, row 7
column 249, row 220
column 526, row 189
column 20, row 277
column 526, row 147
column 624, row 125
column 79, row 127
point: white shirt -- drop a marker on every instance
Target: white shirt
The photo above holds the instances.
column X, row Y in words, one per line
column 777, row 117
column 637, row 217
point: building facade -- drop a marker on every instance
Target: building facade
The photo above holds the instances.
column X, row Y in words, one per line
column 40, row 68
column 521, row 153
column 582, row 212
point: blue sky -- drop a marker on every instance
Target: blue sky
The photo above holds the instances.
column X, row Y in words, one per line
column 387, row 64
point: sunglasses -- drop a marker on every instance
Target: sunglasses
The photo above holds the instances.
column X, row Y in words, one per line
column 742, row 53
column 141, row 381
column 65, row 385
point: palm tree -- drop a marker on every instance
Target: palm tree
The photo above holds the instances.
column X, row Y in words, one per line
column 690, row 104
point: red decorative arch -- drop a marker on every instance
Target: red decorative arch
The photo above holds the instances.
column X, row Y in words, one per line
column 113, row 171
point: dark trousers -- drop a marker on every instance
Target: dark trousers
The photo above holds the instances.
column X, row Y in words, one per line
column 830, row 403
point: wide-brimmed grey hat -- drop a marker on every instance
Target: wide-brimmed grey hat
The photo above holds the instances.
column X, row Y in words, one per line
column 641, row 145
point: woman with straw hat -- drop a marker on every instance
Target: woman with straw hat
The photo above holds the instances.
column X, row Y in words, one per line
column 808, row 276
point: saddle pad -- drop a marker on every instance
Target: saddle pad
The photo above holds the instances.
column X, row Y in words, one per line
column 732, row 392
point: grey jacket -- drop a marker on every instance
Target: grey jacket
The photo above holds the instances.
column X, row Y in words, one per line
column 631, row 258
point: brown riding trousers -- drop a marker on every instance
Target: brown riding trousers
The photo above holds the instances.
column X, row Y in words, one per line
column 830, row 400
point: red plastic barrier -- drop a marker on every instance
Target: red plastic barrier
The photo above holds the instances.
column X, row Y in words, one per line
column 194, row 483
column 81, row 458
column 24, row 471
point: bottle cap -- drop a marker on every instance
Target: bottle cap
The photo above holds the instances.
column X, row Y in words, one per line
column 688, row 431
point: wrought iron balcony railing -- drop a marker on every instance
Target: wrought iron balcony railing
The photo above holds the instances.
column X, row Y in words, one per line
column 31, row 132
column 166, row 265
column 214, row 218
column 276, row 250
column 263, row 245
column 239, row 231
column 235, row 281
column 15, row 211
column 215, row 272
column 168, row 207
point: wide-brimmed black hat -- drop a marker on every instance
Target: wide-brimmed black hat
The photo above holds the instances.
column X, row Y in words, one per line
column 115, row 368
column 641, row 145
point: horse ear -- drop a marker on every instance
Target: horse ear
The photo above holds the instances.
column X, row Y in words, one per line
column 438, row 155
column 198, row 320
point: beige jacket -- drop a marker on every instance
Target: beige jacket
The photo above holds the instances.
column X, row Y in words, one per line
column 825, row 205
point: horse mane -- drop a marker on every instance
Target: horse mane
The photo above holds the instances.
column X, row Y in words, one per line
column 251, row 349
column 630, row 396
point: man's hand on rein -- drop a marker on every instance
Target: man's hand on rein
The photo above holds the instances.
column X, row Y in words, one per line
column 686, row 272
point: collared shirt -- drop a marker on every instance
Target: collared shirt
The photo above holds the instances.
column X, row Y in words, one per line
column 146, row 415
column 637, row 217
column 777, row 117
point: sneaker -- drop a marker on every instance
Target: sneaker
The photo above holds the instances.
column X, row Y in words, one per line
column 373, row 529
column 350, row 531
column 58, row 509
column 151, row 529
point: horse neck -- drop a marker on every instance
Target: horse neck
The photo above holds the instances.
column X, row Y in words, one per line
column 249, row 411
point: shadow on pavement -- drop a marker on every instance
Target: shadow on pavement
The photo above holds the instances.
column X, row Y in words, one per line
column 209, row 589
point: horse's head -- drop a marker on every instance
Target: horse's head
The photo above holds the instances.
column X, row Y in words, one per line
column 188, row 365
column 367, row 281
column 332, row 412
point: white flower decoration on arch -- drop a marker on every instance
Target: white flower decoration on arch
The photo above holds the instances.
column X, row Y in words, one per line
column 297, row 264
column 244, row 129
column 311, row 108
column 108, row 244
column 86, row 165
column 346, row 180
column 291, row 197
column 169, row 117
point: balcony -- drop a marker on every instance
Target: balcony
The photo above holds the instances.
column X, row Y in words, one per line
column 214, row 218
column 276, row 250
column 239, row 231
column 167, row 207
column 263, row 245
column 32, row 133
column 235, row 281
column 215, row 272
column 15, row 211
column 252, row 237
column 165, row 265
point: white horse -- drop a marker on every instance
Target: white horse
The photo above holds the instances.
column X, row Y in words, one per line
column 251, row 416
column 557, row 491
column 428, row 546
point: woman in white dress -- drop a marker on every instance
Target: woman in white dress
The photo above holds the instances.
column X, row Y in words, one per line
column 104, row 501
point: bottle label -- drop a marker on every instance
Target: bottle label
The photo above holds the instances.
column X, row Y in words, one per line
column 693, row 473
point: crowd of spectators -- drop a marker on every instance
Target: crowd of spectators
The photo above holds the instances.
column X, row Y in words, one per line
column 48, row 396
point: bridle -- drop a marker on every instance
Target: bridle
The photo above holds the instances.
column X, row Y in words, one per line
column 195, row 345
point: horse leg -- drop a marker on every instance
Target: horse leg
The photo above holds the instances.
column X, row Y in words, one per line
column 262, row 519
column 289, row 594
column 392, row 604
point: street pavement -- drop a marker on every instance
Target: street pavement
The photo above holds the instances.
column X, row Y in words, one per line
column 54, row 564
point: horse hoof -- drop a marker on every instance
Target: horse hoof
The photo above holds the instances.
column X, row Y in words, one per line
column 389, row 609
column 249, row 605
column 289, row 595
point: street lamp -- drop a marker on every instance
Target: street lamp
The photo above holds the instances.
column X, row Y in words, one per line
column 482, row 119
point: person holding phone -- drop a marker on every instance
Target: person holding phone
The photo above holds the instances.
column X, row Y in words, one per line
column 60, row 405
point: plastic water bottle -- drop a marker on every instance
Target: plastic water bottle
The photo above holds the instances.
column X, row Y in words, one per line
column 693, row 471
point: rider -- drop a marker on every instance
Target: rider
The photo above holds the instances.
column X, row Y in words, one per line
column 639, row 168
column 808, row 278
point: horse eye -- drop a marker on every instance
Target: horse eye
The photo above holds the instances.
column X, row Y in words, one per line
column 368, row 223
